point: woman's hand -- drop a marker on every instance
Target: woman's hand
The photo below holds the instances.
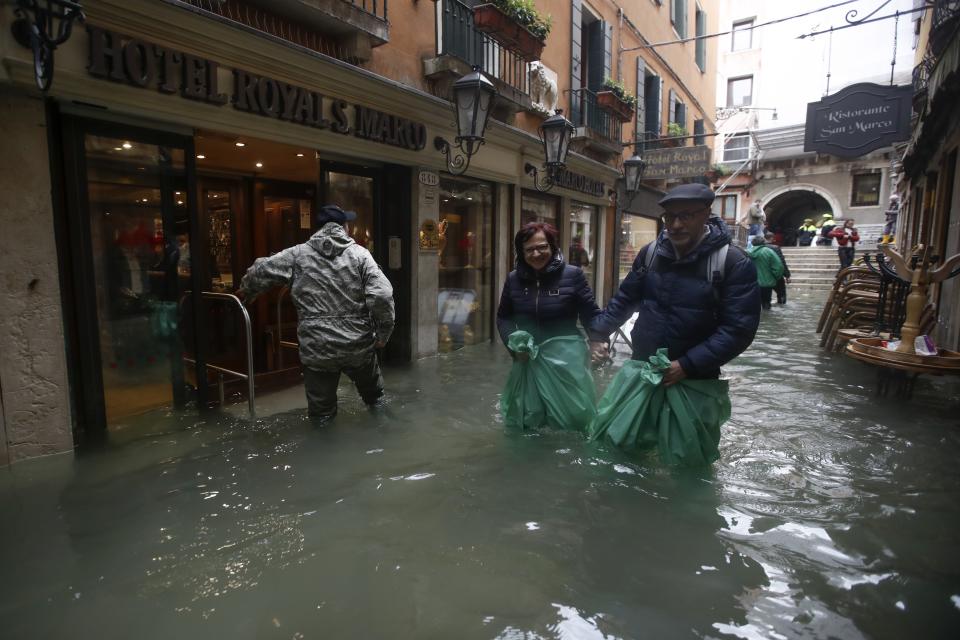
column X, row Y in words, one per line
column 598, row 352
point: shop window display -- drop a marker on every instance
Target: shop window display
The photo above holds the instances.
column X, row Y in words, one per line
column 535, row 207
column 635, row 233
column 465, row 263
column 355, row 193
column 583, row 239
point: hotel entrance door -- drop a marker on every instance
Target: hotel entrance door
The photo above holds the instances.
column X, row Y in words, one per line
column 129, row 205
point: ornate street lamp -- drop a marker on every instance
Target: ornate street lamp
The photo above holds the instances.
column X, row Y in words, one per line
column 633, row 169
column 43, row 29
column 473, row 99
column 555, row 133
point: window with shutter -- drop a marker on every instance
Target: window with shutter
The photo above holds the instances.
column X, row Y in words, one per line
column 671, row 106
column 641, row 99
column 654, row 91
column 576, row 70
column 681, row 118
column 596, row 55
column 698, row 131
column 678, row 16
column 701, row 49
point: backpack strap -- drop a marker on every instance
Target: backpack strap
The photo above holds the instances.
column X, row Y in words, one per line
column 649, row 254
column 717, row 264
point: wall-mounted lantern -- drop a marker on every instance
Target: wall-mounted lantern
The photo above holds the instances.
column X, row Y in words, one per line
column 633, row 169
column 43, row 25
column 555, row 133
column 473, row 98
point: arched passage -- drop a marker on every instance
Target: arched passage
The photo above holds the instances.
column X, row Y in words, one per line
column 787, row 207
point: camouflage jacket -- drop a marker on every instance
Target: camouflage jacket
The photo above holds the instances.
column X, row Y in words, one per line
column 344, row 301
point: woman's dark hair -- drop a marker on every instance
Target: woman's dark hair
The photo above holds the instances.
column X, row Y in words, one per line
column 530, row 229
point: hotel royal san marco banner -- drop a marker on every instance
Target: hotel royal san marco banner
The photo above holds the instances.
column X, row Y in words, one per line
column 858, row 119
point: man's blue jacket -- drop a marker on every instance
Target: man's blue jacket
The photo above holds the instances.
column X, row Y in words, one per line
column 702, row 324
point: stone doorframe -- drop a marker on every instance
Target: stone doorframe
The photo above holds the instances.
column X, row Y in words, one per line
column 836, row 208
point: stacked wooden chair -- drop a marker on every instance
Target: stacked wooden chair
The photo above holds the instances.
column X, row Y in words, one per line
column 867, row 300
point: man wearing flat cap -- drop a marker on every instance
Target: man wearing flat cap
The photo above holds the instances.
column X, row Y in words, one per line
column 344, row 305
column 695, row 293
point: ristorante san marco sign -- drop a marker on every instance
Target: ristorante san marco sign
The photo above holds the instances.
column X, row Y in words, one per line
column 858, row 119
column 119, row 58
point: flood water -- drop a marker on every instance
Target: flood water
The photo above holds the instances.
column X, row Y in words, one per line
column 831, row 514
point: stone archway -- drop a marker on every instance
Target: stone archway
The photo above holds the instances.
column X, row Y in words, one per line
column 787, row 207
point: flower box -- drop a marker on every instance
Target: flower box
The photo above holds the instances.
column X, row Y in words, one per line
column 491, row 20
column 609, row 101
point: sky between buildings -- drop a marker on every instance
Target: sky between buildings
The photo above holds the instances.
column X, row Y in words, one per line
column 795, row 70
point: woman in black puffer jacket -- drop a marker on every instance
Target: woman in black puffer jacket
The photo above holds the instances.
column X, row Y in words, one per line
column 544, row 295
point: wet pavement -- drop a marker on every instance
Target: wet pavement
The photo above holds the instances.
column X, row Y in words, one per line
column 831, row 514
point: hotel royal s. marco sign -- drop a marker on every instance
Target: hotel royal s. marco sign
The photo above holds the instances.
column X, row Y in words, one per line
column 143, row 64
column 858, row 119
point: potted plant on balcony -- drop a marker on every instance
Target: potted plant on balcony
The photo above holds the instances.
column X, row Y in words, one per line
column 615, row 98
column 716, row 171
column 516, row 24
column 674, row 131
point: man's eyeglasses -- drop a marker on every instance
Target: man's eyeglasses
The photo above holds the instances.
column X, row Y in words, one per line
column 539, row 248
column 683, row 216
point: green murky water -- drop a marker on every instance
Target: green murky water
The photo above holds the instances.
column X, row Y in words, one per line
column 831, row 514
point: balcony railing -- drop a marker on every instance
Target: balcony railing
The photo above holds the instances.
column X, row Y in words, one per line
column 376, row 8
column 269, row 21
column 590, row 115
column 946, row 15
column 459, row 38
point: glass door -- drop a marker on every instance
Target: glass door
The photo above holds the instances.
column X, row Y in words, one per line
column 133, row 235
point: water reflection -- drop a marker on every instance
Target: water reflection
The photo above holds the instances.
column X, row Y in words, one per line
column 830, row 514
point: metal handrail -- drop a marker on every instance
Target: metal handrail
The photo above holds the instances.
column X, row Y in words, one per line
column 248, row 330
column 281, row 343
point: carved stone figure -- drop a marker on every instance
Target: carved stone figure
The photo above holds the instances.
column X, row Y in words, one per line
column 543, row 87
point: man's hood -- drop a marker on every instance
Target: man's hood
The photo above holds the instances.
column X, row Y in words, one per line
column 331, row 240
column 717, row 236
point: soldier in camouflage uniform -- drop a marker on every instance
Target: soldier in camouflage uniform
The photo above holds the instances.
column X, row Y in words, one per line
column 344, row 304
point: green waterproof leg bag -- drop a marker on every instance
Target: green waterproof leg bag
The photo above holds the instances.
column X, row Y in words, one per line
column 554, row 387
column 682, row 421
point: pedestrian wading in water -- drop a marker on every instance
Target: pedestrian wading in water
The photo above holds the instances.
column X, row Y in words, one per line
column 847, row 239
column 542, row 299
column 344, row 308
column 781, row 287
column 769, row 269
column 698, row 306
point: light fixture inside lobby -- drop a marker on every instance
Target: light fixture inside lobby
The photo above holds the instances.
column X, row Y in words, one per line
column 555, row 135
column 299, row 155
column 200, row 156
column 127, row 145
column 240, row 143
column 259, row 165
column 473, row 99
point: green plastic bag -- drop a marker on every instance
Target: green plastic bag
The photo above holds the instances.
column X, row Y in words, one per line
column 682, row 421
column 553, row 388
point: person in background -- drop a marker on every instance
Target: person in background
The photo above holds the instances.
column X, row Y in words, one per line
column 806, row 232
column 704, row 320
column 769, row 269
column 756, row 218
column 543, row 295
column 344, row 305
column 890, row 216
column 578, row 255
column 847, row 239
column 781, row 287
column 826, row 225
